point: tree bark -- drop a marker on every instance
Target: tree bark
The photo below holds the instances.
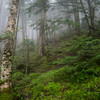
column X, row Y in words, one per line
column 23, row 18
column 68, row 17
column 91, row 15
column 91, row 22
column 76, row 16
column 42, row 33
column 8, row 46
column 27, row 56
column 1, row 3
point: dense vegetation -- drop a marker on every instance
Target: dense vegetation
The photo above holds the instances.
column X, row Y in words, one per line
column 70, row 72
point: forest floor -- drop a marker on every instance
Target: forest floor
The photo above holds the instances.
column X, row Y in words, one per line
column 70, row 71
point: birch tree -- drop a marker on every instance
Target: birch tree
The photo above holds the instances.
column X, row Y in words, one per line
column 8, row 47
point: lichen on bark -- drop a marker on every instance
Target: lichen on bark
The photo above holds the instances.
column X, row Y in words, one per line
column 8, row 46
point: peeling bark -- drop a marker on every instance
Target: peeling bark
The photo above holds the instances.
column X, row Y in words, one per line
column 8, row 47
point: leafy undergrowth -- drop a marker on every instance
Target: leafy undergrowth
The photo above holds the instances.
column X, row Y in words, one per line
column 70, row 72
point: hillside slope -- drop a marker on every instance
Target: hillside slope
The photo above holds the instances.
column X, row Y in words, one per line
column 71, row 71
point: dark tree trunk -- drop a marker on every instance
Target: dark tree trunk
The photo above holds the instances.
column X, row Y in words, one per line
column 42, row 33
column 76, row 16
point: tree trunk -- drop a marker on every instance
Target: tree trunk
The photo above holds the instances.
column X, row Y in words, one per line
column 42, row 33
column 68, row 17
column 76, row 16
column 1, row 3
column 27, row 57
column 16, row 32
column 23, row 18
column 91, row 15
column 86, row 17
column 8, row 47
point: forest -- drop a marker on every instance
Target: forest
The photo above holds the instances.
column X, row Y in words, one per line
column 49, row 49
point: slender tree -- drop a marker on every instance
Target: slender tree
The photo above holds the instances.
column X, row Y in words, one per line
column 23, row 19
column 40, row 7
column 89, row 12
column 76, row 15
column 71, row 7
column 1, row 2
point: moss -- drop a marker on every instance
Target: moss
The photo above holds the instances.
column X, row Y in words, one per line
column 6, row 96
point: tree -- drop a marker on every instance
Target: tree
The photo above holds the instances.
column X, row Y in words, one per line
column 87, row 7
column 71, row 7
column 42, row 33
column 8, row 47
column 23, row 19
column 89, row 12
column 86, row 16
column 1, row 2
column 76, row 15
column 40, row 7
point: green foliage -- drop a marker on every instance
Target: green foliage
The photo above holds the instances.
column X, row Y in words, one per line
column 84, row 91
column 4, row 36
column 68, row 60
column 6, row 96
column 36, row 7
column 53, row 88
column 17, row 76
column 75, row 72
column 95, row 60
column 84, row 64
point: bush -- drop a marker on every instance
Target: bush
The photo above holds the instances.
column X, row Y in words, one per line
column 53, row 89
column 95, row 60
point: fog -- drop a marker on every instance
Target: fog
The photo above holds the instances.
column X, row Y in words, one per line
column 25, row 21
column 30, row 32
